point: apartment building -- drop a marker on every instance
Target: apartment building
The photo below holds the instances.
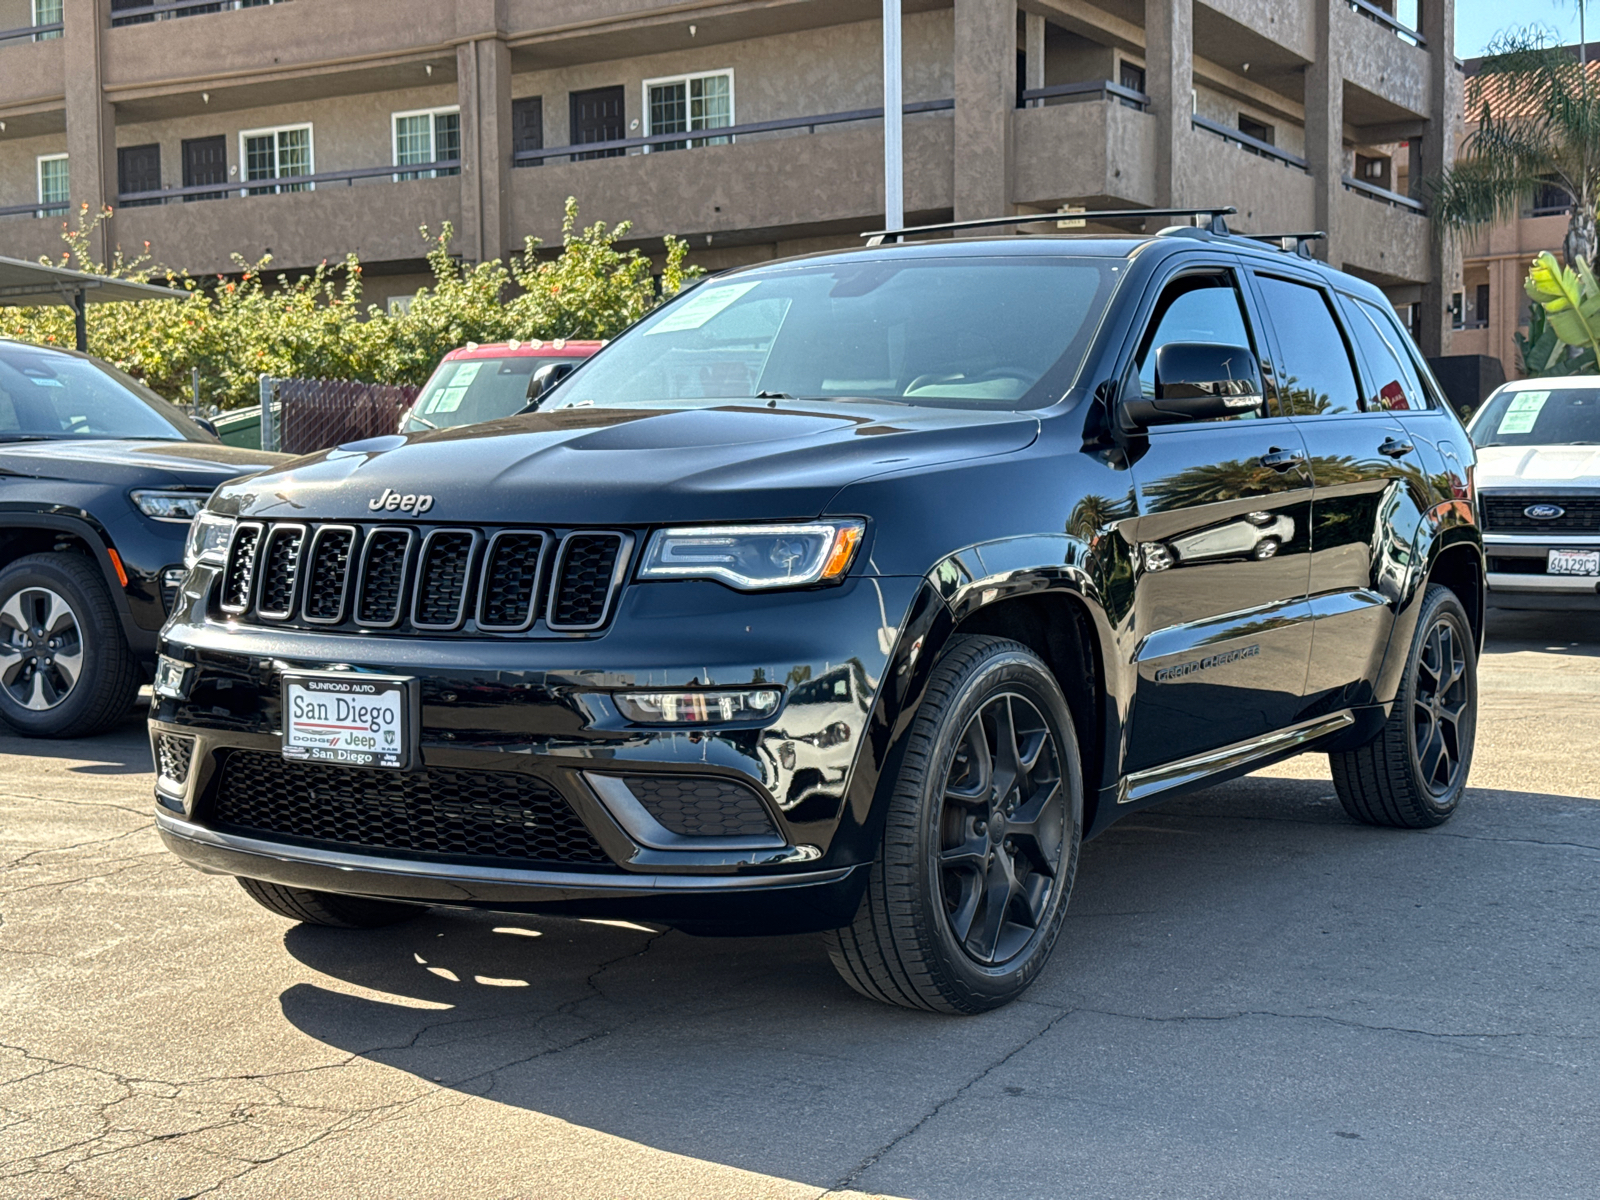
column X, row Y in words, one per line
column 310, row 128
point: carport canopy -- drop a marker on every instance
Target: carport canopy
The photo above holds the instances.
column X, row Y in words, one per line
column 25, row 283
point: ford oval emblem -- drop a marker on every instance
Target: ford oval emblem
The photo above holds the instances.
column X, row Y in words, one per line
column 1544, row 512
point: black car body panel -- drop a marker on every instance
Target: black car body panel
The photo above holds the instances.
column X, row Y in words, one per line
column 1205, row 613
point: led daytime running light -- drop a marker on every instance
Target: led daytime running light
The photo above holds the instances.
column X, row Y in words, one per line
column 698, row 707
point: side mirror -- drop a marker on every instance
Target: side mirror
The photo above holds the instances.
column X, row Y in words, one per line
column 207, row 426
column 545, row 379
column 1197, row 381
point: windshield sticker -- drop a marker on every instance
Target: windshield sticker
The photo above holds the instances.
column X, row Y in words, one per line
column 1522, row 412
column 448, row 400
column 700, row 308
column 465, row 374
column 38, row 381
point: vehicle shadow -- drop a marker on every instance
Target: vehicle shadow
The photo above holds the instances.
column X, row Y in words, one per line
column 123, row 749
column 1575, row 633
column 1257, row 896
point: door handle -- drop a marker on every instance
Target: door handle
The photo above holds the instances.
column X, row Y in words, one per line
column 1396, row 448
column 1282, row 460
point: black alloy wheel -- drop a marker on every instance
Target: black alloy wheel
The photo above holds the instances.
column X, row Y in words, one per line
column 1413, row 773
column 1003, row 829
column 969, row 888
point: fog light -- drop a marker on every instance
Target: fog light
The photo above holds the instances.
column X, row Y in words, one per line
column 698, row 708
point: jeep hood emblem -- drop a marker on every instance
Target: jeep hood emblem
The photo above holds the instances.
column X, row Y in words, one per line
column 393, row 501
column 1544, row 512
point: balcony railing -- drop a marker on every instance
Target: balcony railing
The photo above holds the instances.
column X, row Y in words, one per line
column 1254, row 145
column 37, row 33
column 35, row 210
column 620, row 146
column 1383, row 195
column 163, row 10
column 1378, row 17
column 1094, row 89
column 291, row 183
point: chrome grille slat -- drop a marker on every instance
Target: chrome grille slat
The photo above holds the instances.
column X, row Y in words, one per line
column 328, row 574
column 385, row 561
column 424, row 579
column 509, row 593
column 442, row 578
column 239, row 576
column 279, row 560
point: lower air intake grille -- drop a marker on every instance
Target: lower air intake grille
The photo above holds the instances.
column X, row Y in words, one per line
column 702, row 807
column 583, row 580
column 464, row 814
column 173, row 756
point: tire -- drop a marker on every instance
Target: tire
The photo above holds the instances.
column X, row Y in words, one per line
column 1398, row 779
column 928, row 933
column 65, row 667
column 328, row 908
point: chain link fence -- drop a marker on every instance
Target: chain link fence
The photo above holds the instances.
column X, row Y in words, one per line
column 302, row 415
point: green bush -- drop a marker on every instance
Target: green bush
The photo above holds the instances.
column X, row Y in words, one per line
column 317, row 326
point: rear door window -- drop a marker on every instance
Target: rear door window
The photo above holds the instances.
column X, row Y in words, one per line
column 1315, row 373
column 1390, row 379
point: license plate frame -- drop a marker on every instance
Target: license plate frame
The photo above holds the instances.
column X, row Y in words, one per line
column 1580, row 563
column 321, row 709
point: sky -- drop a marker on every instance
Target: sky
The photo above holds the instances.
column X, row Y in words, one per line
column 1477, row 21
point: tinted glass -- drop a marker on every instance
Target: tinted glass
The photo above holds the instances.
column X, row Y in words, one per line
column 1314, row 374
column 479, row 389
column 44, row 394
column 968, row 332
column 1204, row 308
column 1392, row 383
column 1559, row 416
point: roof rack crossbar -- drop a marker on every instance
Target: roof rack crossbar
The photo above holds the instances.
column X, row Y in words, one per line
column 1281, row 240
column 1216, row 224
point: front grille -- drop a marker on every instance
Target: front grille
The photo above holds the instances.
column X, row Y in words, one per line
column 1505, row 514
column 460, row 814
column 280, row 570
column 702, row 807
column 424, row 579
column 173, row 755
column 585, row 568
column 383, row 576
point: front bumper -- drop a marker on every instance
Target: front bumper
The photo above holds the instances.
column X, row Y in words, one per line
column 524, row 708
column 1517, row 578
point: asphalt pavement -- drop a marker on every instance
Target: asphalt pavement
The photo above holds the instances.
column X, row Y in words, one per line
column 1253, row 997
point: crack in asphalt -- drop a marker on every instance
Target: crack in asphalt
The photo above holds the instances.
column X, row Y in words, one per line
column 1343, row 1021
column 116, row 837
column 847, row 1181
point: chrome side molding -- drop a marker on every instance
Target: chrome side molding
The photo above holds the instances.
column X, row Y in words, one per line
column 1141, row 785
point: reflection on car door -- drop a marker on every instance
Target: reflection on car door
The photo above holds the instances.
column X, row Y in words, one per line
column 1368, row 477
column 1222, row 533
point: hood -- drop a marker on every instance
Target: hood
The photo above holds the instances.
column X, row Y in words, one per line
column 1557, row 466
column 134, row 462
column 631, row 466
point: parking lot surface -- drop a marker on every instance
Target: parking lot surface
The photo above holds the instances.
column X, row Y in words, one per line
column 1253, row 997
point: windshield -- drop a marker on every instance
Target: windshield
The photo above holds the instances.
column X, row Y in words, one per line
column 478, row 389
column 47, row 394
column 1559, row 416
column 967, row 332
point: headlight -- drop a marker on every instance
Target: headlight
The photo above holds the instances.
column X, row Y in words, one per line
column 752, row 557
column 209, row 536
column 170, row 506
column 697, row 708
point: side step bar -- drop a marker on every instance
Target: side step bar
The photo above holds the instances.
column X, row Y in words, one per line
column 1141, row 785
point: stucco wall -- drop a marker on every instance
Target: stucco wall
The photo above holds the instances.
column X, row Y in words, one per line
column 1081, row 151
column 19, row 181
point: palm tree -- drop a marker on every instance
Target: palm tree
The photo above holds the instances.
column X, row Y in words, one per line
column 1538, row 127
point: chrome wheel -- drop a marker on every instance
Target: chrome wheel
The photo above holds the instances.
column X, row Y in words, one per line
column 1002, row 826
column 1439, row 708
column 41, row 648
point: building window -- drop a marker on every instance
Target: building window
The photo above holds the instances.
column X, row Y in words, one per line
column 427, row 136
column 277, row 154
column 1131, row 75
column 687, row 104
column 1260, row 130
column 399, row 306
column 47, row 12
column 54, row 192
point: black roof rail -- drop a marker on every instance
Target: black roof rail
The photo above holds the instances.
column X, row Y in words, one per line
column 1216, row 224
column 1281, row 240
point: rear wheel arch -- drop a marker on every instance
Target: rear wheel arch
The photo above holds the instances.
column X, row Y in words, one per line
column 1458, row 565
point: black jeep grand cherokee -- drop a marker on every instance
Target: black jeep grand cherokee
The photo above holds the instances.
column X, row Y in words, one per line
column 845, row 593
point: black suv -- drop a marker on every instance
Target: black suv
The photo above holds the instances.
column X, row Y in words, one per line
column 99, row 479
column 843, row 593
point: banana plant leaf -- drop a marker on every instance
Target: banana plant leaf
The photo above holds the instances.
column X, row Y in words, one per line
column 1571, row 299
